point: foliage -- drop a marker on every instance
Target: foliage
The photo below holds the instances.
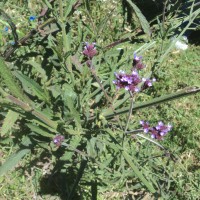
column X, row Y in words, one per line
column 52, row 87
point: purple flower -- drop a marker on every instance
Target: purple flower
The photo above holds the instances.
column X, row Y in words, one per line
column 127, row 81
column 58, row 139
column 163, row 128
column 147, row 83
column 145, row 126
column 137, row 58
column 156, row 132
column 32, row 18
column 90, row 50
column 137, row 62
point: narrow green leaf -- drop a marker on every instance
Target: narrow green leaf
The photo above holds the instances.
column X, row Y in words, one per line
column 44, row 125
column 117, row 147
column 40, row 115
column 69, row 7
column 128, row 158
column 47, row 3
column 34, row 86
column 12, row 161
column 73, row 132
column 40, row 130
column 11, row 82
column 9, row 121
column 143, row 21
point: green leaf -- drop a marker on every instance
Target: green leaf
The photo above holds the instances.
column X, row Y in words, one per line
column 12, row 161
column 143, row 21
column 74, row 143
column 128, row 158
column 39, row 130
column 38, row 68
column 70, row 4
column 34, row 86
column 45, row 118
column 9, row 121
column 91, row 147
column 117, row 147
column 69, row 98
column 47, row 3
column 11, row 82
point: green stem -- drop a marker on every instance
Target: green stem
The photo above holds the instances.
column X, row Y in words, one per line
column 152, row 141
column 130, row 112
column 185, row 92
column 92, row 69
column 102, row 88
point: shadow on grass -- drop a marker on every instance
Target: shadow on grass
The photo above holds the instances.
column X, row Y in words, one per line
column 64, row 182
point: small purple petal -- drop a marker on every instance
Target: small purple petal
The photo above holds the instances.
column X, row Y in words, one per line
column 58, row 140
column 153, row 136
column 146, row 130
column 141, row 122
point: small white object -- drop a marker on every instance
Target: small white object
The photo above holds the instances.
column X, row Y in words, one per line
column 180, row 45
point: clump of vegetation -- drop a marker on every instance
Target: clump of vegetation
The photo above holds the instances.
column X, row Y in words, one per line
column 83, row 115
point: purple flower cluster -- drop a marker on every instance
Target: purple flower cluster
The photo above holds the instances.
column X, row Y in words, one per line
column 131, row 81
column 157, row 132
column 90, row 50
column 58, row 139
column 127, row 81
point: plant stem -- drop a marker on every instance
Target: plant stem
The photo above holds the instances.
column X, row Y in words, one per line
column 169, row 97
column 99, row 82
column 130, row 112
column 105, row 93
column 146, row 138
column 135, row 131
column 163, row 15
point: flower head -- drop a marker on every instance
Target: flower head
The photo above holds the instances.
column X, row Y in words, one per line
column 90, row 50
column 127, row 81
column 58, row 139
column 32, row 18
column 156, row 132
